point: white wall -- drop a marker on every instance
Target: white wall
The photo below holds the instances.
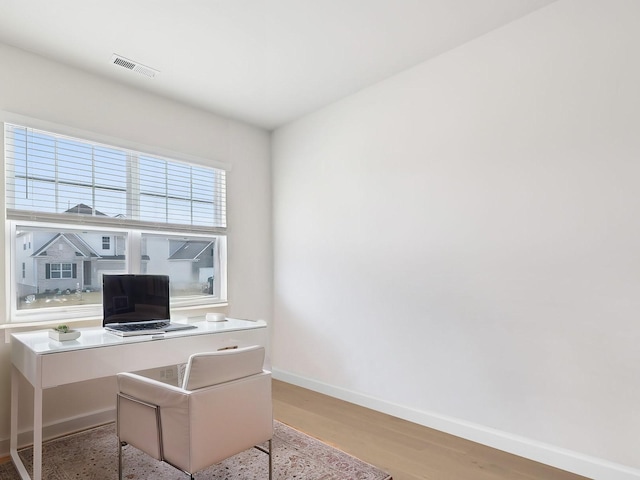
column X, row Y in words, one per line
column 460, row 244
column 38, row 88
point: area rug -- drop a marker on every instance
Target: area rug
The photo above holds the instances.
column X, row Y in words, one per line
column 93, row 455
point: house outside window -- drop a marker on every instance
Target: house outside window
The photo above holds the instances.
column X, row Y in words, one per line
column 82, row 207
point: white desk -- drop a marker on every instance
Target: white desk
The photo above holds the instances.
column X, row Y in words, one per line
column 46, row 363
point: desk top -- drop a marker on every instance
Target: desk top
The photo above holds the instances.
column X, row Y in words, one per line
column 40, row 343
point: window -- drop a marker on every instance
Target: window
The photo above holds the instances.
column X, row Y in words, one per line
column 191, row 261
column 51, row 174
column 61, row 270
column 66, row 268
column 85, row 209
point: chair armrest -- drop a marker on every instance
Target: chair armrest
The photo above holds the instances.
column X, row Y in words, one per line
column 142, row 401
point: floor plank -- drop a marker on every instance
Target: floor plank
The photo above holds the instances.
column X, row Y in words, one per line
column 405, row 450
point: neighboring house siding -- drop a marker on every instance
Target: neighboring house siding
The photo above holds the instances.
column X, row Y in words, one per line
column 78, row 250
column 59, row 252
column 26, row 285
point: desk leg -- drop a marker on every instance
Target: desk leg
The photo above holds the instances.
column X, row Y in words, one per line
column 37, row 433
column 13, row 443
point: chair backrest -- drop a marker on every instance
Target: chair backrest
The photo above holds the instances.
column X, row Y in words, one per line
column 211, row 368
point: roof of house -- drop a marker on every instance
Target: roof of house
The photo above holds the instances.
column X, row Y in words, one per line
column 191, row 250
column 120, row 257
column 80, row 246
column 83, row 209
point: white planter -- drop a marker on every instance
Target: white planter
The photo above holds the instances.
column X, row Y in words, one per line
column 64, row 337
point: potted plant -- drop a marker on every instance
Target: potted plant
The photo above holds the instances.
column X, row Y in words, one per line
column 63, row 333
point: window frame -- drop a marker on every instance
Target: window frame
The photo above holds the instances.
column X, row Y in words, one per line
column 133, row 239
column 133, row 231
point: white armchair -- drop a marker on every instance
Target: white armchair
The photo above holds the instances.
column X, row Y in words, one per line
column 223, row 408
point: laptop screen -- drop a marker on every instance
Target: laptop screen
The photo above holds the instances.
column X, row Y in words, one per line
column 129, row 298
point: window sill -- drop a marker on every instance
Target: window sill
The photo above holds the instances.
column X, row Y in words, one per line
column 91, row 321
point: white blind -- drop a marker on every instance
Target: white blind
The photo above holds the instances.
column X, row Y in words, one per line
column 55, row 177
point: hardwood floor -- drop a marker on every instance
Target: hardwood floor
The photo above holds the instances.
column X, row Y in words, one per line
column 403, row 449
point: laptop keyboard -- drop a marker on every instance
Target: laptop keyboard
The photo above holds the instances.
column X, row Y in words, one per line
column 142, row 326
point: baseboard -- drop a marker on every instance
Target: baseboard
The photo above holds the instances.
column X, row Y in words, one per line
column 585, row 465
column 60, row 428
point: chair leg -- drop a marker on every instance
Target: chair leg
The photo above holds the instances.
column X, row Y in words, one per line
column 270, row 459
column 120, row 445
column 268, row 452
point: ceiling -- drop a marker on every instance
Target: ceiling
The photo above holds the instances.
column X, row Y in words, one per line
column 265, row 62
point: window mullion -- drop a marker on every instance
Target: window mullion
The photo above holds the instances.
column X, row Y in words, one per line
column 93, row 180
column 56, row 178
column 191, row 194
column 133, row 187
column 166, row 192
column 134, row 251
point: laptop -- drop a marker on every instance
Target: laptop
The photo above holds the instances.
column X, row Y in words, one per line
column 137, row 305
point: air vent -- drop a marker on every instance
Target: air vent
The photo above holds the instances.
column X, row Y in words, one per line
column 133, row 66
